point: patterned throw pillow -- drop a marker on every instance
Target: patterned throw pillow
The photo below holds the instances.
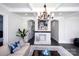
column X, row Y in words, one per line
column 14, row 46
column 17, row 43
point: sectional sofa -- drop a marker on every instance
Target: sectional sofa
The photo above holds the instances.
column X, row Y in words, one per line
column 22, row 51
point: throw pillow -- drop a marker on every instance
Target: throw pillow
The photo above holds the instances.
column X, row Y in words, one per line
column 14, row 46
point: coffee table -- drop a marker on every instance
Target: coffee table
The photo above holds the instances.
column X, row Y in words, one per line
column 35, row 50
column 39, row 53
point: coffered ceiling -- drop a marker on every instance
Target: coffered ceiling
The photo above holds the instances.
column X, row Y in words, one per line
column 25, row 7
column 34, row 8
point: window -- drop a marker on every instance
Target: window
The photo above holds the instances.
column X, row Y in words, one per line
column 1, row 30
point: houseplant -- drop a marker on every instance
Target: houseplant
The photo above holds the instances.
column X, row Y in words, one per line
column 22, row 33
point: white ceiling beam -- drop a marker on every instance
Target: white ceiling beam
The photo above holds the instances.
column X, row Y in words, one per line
column 51, row 11
column 4, row 6
column 58, row 6
column 30, row 6
column 30, row 9
column 20, row 10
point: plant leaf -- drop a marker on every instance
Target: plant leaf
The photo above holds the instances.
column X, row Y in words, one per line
column 23, row 31
column 18, row 35
column 19, row 31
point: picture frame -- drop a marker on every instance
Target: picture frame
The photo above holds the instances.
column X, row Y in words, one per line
column 43, row 25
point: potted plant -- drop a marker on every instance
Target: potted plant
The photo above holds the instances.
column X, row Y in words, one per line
column 22, row 33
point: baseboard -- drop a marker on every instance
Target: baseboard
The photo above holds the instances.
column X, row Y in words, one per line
column 65, row 42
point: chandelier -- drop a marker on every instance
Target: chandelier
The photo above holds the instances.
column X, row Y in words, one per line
column 44, row 14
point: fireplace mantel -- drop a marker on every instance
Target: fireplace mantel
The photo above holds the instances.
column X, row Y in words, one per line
column 42, row 38
column 43, row 32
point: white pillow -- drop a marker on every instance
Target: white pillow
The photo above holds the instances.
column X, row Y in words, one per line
column 21, row 43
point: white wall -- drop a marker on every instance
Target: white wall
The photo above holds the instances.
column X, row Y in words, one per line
column 11, row 23
column 25, row 21
column 14, row 22
column 68, row 29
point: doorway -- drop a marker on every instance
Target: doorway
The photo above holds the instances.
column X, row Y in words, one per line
column 31, row 32
column 55, row 31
